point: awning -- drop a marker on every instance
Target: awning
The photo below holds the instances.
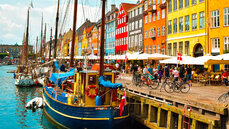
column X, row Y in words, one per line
column 58, row 78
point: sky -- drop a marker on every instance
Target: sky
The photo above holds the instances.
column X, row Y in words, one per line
column 13, row 15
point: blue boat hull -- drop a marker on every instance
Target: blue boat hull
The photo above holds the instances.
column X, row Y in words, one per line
column 83, row 117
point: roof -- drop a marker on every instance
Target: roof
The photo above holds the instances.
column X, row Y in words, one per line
column 127, row 6
column 137, row 5
column 88, row 30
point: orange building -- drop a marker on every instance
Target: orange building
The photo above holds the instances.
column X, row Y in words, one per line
column 95, row 40
column 154, row 26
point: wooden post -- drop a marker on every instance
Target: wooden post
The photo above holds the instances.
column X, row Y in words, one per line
column 180, row 121
column 159, row 117
column 169, row 120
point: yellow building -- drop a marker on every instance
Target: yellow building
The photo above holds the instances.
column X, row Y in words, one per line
column 76, row 45
column 84, row 41
column 186, row 27
column 66, row 40
column 218, row 17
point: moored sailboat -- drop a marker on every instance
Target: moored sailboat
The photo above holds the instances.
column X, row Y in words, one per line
column 84, row 99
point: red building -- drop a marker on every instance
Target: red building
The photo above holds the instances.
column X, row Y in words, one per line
column 121, row 33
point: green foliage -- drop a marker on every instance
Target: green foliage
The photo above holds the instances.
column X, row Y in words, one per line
column 4, row 54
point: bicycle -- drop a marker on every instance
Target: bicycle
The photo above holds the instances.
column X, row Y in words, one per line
column 223, row 97
column 135, row 79
column 183, row 86
column 149, row 81
column 167, row 86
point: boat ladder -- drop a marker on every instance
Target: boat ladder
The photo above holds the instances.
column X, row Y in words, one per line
column 189, row 114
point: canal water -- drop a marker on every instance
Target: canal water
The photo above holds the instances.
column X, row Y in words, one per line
column 13, row 99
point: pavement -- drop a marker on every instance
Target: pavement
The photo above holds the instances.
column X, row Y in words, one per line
column 198, row 92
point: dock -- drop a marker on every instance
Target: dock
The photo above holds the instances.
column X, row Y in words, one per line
column 198, row 108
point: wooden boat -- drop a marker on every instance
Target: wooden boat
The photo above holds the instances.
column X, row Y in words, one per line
column 74, row 105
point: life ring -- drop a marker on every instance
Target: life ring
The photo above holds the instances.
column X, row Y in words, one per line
column 92, row 96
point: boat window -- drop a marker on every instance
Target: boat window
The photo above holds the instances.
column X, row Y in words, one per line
column 92, row 80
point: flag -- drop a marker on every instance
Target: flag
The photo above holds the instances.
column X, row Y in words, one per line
column 179, row 58
column 43, row 41
column 122, row 103
column 31, row 4
column 126, row 59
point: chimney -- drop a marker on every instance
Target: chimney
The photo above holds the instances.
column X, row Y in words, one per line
column 113, row 7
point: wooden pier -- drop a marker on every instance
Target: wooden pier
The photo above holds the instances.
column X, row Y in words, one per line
column 161, row 110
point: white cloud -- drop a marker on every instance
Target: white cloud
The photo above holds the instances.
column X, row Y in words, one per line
column 9, row 36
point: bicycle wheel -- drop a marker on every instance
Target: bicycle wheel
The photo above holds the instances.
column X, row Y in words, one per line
column 177, row 88
column 154, row 84
column 185, row 87
column 169, row 87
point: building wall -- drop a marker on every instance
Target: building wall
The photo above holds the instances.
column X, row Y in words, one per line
column 135, row 28
column 84, row 41
column 121, row 32
column 220, row 32
column 95, row 40
column 110, row 37
column 14, row 50
column 193, row 36
column 154, row 38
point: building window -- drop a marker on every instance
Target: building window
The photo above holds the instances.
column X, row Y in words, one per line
column 149, row 18
column 140, row 40
column 186, row 3
column 136, row 24
column 170, row 27
column 170, row 49
column 136, row 40
column 194, row 21
column 154, row 16
column 158, row 15
column 202, row 20
column 226, row 43
column 180, row 4
column 145, row 34
column 153, row 32
column 146, row 6
column 174, row 49
column 130, row 15
column 181, row 24
column 158, row 49
column 163, row 31
column 140, row 23
column 132, row 26
column 145, row 49
column 187, row 23
column 163, row 13
column 133, row 13
column 174, row 5
column 154, row 2
column 140, row 10
column 170, row 6
column 194, row 2
column 158, row 1
column 181, row 48
column 154, row 49
column 150, row 49
column 226, row 67
column 136, row 12
column 226, row 16
column 175, row 25
column 215, row 18
column 158, row 32
column 201, row 1
column 145, row 19
column 215, row 45
column 187, row 48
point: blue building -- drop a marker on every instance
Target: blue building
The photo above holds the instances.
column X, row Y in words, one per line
column 111, row 18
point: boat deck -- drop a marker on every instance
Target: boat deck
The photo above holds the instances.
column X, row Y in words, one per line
column 203, row 98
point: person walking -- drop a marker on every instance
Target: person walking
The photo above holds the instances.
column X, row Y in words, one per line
column 188, row 74
column 181, row 72
column 176, row 74
column 166, row 71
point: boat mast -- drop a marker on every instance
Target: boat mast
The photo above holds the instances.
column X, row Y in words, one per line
column 41, row 36
column 27, row 39
column 102, row 40
column 50, row 45
column 36, row 48
column 44, row 43
column 56, row 32
column 73, row 34
column 23, row 51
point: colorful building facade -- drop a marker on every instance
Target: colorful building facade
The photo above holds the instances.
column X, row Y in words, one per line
column 186, row 27
column 154, row 26
column 111, row 18
column 135, row 28
column 121, row 32
column 95, row 41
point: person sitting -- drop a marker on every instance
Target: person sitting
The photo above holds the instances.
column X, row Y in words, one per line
column 225, row 77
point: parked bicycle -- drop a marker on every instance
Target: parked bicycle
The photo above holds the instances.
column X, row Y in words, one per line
column 223, row 98
column 175, row 86
column 167, row 86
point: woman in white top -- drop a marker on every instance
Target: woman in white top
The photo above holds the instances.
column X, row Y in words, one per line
column 176, row 74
